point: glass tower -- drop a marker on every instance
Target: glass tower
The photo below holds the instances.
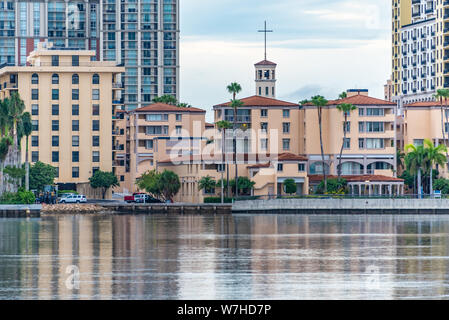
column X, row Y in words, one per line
column 142, row 35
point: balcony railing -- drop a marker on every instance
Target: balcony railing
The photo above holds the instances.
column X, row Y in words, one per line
column 244, row 119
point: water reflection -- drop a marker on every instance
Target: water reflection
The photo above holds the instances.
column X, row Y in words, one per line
column 225, row 257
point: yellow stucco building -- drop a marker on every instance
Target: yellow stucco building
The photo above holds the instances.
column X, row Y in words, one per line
column 70, row 99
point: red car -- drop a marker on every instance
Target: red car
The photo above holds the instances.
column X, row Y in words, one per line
column 130, row 199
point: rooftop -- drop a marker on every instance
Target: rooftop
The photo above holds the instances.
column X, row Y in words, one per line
column 258, row 101
column 265, row 63
column 162, row 107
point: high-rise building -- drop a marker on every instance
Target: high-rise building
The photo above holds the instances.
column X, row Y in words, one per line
column 70, row 99
column 418, row 43
column 142, row 35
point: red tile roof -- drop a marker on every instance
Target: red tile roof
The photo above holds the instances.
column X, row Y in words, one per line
column 359, row 178
column 425, row 104
column 291, row 157
column 162, row 107
column 265, row 63
column 258, row 101
column 358, row 99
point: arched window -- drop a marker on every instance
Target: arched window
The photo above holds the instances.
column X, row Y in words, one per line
column 95, row 79
column 34, row 79
column 55, row 79
column 75, row 79
column 317, row 168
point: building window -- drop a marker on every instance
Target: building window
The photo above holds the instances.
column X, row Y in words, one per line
column 34, row 109
column 75, row 110
column 75, row 141
column 263, row 144
column 96, row 156
column 96, row 110
column 34, row 94
column 301, row 167
column 375, row 112
column 96, row 94
column 55, row 125
column 264, row 126
column 95, row 79
column 375, row 127
column 263, row 113
column 35, row 125
column 286, row 127
column 34, row 79
column 286, row 144
column 95, row 125
column 156, row 117
column 149, row 144
column 347, row 126
column 55, row 109
column 122, row 178
column 375, row 143
column 75, row 156
column 56, row 172
column 55, row 79
column 75, row 61
column 361, row 143
column 55, row 61
column 95, row 169
column 75, row 172
column 75, row 79
column 178, row 130
column 361, row 112
column 34, row 156
column 95, row 141
column 361, row 126
column 347, row 143
column 75, row 94
column 178, row 117
column 286, row 113
column 280, row 167
column 75, row 125
column 55, row 141
column 35, row 141
column 55, row 94
column 418, row 142
column 55, row 156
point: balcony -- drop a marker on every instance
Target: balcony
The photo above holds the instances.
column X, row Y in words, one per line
column 416, row 13
column 117, row 85
column 120, row 147
column 240, row 119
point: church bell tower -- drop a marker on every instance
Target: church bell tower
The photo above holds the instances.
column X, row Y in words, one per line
column 266, row 73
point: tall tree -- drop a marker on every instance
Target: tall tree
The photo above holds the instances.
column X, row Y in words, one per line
column 440, row 95
column 104, row 181
column 346, row 108
column 5, row 120
column 416, row 162
column 343, row 95
column 27, row 129
column 319, row 102
column 167, row 99
column 435, row 155
column 207, row 184
column 16, row 107
column 234, row 89
column 223, row 126
column 41, row 175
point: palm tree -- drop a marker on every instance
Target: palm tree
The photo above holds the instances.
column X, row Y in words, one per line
column 346, row 108
column 183, row 105
column 223, row 126
column 399, row 159
column 320, row 102
column 434, row 156
column 167, row 99
column 4, row 117
column 343, row 95
column 27, row 129
column 206, row 183
column 440, row 95
column 234, row 89
column 416, row 162
column 16, row 108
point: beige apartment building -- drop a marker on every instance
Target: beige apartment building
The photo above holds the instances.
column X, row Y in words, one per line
column 153, row 133
column 70, row 99
column 369, row 148
column 423, row 120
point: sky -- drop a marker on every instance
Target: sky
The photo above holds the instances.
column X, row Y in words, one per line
column 321, row 47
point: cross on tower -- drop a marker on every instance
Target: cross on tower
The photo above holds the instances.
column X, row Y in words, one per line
column 265, row 31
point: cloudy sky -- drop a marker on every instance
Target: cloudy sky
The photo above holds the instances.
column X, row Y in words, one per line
column 321, row 47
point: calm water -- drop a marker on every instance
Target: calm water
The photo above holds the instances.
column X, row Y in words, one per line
column 225, row 257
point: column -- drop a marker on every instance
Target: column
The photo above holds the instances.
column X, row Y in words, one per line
column 390, row 190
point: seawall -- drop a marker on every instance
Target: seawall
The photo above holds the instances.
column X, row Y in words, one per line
column 344, row 206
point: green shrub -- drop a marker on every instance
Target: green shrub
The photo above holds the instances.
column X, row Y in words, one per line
column 20, row 197
column 217, row 200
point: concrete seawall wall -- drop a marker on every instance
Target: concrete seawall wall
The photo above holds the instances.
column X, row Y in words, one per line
column 344, row 206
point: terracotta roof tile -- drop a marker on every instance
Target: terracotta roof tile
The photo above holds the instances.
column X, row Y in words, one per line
column 258, row 101
column 359, row 178
column 162, row 107
column 358, row 100
column 265, row 63
column 424, row 104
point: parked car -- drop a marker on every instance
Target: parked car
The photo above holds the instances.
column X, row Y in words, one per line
column 75, row 198
column 145, row 198
column 130, row 199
